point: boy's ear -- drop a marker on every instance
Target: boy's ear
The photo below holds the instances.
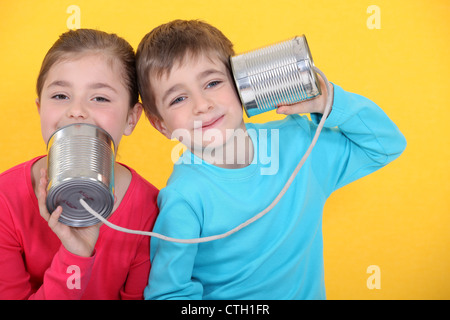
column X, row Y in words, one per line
column 159, row 125
column 134, row 114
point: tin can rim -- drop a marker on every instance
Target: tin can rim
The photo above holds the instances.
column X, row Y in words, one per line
column 57, row 131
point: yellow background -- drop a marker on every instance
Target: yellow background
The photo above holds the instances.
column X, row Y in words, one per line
column 397, row 218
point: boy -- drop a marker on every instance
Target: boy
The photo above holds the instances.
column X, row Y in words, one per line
column 219, row 182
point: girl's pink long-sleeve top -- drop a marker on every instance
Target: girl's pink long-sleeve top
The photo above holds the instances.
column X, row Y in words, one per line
column 35, row 265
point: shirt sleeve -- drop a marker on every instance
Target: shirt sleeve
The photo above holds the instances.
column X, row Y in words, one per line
column 66, row 278
column 358, row 138
column 138, row 273
column 173, row 263
column 140, row 268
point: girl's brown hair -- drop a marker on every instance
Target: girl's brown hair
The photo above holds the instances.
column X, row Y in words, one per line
column 169, row 43
column 88, row 40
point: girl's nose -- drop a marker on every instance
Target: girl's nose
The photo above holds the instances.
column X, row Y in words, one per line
column 77, row 111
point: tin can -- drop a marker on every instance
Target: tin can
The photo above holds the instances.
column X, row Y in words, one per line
column 80, row 166
column 274, row 75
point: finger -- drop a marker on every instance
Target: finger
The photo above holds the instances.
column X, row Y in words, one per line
column 42, row 195
column 53, row 220
column 284, row 110
column 43, row 177
column 297, row 108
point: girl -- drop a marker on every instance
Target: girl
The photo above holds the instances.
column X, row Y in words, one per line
column 87, row 76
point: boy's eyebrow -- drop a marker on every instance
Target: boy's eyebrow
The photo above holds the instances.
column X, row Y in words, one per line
column 209, row 72
column 200, row 76
column 169, row 91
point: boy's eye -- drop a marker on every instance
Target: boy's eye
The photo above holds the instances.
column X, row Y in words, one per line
column 177, row 100
column 213, row 83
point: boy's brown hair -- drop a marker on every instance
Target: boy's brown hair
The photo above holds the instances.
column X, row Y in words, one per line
column 170, row 43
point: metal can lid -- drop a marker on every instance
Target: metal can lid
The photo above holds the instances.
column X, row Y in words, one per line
column 68, row 195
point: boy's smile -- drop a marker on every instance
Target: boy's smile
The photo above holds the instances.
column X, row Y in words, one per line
column 197, row 96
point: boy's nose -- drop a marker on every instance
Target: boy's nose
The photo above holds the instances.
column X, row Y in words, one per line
column 202, row 104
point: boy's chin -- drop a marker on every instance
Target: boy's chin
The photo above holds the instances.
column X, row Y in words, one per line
column 208, row 146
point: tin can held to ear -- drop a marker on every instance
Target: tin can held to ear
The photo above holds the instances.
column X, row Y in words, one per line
column 274, row 75
column 80, row 166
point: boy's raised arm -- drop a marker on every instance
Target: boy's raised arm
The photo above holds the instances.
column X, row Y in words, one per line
column 359, row 138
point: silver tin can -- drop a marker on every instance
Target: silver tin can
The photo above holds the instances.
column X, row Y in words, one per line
column 278, row 74
column 80, row 166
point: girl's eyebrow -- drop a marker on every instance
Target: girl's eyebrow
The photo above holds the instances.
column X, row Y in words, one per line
column 101, row 85
column 96, row 85
column 59, row 83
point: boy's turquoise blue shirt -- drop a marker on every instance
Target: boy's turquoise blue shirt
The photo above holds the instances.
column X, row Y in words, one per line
column 280, row 256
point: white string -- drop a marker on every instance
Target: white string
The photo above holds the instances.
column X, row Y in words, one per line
column 254, row 218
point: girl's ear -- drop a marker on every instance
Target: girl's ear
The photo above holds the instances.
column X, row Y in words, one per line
column 159, row 125
column 133, row 117
column 38, row 105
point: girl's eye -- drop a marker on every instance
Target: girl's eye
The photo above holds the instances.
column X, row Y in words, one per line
column 60, row 96
column 100, row 99
column 213, row 83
